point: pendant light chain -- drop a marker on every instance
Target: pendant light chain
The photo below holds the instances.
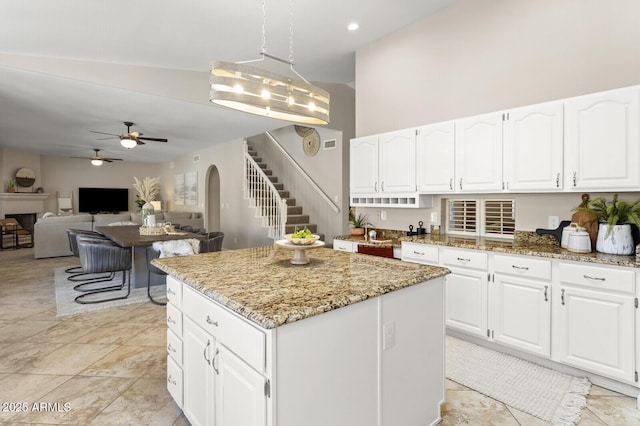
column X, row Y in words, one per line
column 291, row 32
column 264, row 27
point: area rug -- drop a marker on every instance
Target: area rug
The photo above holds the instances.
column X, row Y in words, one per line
column 552, row 396
column 65, row 295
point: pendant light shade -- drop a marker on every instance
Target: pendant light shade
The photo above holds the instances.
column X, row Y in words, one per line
column 250, row 89
column 128, row 143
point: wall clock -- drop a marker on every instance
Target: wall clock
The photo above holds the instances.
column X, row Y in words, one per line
column 311, row 142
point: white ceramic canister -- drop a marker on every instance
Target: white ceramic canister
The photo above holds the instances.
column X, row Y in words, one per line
column 579, row 241
column 566, row 231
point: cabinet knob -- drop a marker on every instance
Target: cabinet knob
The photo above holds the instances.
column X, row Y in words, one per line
column 574, row 178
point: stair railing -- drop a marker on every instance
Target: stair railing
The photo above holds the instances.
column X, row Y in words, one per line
column 304, row 174
column 264, row 197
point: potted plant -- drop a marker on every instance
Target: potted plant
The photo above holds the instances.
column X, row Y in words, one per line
column 11, row 186
column 358, row 224
column 614, row 218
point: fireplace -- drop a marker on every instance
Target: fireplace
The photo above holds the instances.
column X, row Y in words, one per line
column 26, row 220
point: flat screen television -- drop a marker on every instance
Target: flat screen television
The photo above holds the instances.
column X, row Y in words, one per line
column 95, row 200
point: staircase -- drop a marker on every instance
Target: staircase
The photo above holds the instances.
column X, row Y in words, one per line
column 272, row 202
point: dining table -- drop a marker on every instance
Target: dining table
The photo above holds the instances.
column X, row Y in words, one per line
column 130, row 236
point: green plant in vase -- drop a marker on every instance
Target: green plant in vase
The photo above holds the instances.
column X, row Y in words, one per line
column 358, row 223
column 614, row 219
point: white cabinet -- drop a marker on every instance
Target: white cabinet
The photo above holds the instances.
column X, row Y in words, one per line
column 478, row 155
column 520, row 294
column 601, row 140
column 397, row 167
column 174, row 340
column 435, row 158
column 466, row 290
column 343, row 245
column 533, row 141
column 199, row 388
column 594, row 320
column 364, row 165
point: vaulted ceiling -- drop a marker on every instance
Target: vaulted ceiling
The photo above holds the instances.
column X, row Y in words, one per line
column 71, row 66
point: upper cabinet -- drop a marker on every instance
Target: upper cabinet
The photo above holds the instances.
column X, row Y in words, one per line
column 397, row 167
column 601, row 140
column 364, row 165
column 533, row 148
column 435, row 158
column 478, row 164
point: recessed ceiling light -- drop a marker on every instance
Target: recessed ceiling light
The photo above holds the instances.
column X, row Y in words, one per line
column 353, row 26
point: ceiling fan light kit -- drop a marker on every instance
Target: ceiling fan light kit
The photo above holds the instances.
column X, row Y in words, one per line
column 128, row 142
column 96, row 161
column 131, row 139
column 250, row 89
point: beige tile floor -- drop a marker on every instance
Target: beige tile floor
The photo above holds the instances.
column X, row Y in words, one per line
column 109, row 365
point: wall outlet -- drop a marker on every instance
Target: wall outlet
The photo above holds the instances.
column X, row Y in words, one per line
column 383, row 215
column 434, row 217
column 554, row 222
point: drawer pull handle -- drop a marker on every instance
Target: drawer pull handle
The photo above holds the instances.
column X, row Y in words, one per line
column 520, row 268
column 171, row 320
column 594, row 278
column 213, row 364
column 211, row 322
column 557, row 180
column 204, row 354
column 546, row 288
column 171, row 380
column 461, row 259
column 171, row 291
column 418, row 253
column 171, row 348
column 562, row 296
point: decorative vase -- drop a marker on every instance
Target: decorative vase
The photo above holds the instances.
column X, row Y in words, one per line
column 146, row 212
column 620, row 241
column 11, row 189
column 357, row 231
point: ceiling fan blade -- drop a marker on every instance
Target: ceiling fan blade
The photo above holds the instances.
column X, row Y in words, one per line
column 139, row 142
column 103, row 133
column 111, row 159
column 154, row 139
column 84, row 158
column 135, row 134
column 104, row 139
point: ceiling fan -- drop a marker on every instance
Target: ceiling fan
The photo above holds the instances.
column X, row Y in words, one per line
column 130, row 139
column 97, row 160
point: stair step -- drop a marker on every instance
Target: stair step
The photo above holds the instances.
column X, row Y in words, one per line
column 291, row 210
column 291, row 202
column 290, row 229
column 279, row 186
column 257, row 159
column 284, row 194
column 273, row 179
column 297, row 219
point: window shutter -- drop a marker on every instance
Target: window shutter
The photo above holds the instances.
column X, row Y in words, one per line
column 463, row 215
column 499, row 217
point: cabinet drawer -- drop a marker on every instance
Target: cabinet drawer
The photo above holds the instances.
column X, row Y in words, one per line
column 597, row 277
column 174, row 380
column 522, row 267
column 174, row 319
column 174, row 291
column 174, row 346
column 343, row 246
column 421, row 253
column 464, row 259
column 235, row 333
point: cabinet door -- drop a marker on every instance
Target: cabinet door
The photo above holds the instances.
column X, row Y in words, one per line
column 364, row 165
column 601, row 140
column 521, row 314
column 398, row 161
column 240, row 391
column 533, row 139
column 198, row 405
column 595, row 332
column 466, row 301
column 435, row 158
column 479, row 153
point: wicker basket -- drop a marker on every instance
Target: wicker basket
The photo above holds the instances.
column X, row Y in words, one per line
column 148, row 230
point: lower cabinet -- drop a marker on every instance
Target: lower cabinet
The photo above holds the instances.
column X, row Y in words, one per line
column 199, row 376
column 466, row 290
column 594, row 320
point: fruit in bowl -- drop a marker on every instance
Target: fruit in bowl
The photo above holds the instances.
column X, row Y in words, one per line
column 302, row 238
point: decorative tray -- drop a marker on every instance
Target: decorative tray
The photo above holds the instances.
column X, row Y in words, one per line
column 148, row 230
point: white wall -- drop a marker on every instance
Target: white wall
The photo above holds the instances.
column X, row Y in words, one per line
column 482, row 56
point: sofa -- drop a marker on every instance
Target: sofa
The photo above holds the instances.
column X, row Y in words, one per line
column 50, row 231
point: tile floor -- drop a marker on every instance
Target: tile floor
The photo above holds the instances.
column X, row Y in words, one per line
column 109, row 365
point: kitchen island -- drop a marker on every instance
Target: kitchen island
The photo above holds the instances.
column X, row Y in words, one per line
column 348, row 339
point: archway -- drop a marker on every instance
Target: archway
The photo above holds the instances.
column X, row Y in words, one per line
column 212, row 197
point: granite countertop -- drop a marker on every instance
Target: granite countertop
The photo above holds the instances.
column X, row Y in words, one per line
column 524, row 243
column 383, row 236
column 262, row 285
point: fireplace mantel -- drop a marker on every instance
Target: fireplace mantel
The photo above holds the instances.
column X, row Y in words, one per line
column 23, row 196
column 21, row 202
